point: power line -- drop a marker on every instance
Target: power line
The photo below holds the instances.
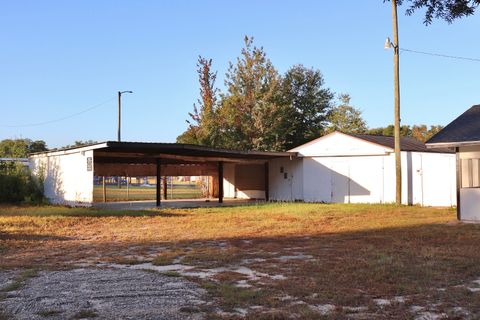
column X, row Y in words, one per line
column 62, row 118
column 440, row 55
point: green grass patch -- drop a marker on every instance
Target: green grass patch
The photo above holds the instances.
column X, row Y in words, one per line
column 20, row 280
column 173, row 274
column 164, row 259
column 49, row 313
column 85, row 314
column 129, row 261
column 232, row 296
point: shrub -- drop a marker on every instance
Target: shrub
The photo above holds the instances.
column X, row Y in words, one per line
column 17, row 184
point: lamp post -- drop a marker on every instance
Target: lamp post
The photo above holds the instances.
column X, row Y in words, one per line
column 120, row 111
column 396, row 83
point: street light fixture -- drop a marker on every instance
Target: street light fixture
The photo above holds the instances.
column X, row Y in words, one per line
column 388, row 44
column 120, row 110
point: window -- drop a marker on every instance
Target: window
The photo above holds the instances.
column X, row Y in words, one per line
column 470, row 169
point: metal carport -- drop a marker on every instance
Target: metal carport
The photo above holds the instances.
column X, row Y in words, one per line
column 173, row 159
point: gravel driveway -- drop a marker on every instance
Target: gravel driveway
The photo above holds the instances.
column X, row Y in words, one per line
column 102, row 294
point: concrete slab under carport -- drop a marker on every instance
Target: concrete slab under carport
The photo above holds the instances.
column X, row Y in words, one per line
column 183, row 203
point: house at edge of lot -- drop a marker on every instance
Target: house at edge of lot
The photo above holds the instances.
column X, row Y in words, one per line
column 463, row 134
column 354, row 168
column 338, row 167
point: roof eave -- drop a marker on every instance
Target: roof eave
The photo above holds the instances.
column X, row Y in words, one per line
column 273, row 154
column 71, row 150
column 434, row 145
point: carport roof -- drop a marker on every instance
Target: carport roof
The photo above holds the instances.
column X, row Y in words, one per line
column 157, row 149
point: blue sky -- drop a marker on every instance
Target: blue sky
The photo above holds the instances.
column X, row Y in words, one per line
column 61, row 57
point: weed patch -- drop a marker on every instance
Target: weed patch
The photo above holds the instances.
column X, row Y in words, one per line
column 232, row 296
column 20, row 280
column 171, row 274
column 85, row 314
column 49, row 313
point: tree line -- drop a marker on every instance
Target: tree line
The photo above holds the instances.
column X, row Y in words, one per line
column 21, row 148
column 264, row 110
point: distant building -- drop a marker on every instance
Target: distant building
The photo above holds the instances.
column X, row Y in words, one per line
column 23, row 161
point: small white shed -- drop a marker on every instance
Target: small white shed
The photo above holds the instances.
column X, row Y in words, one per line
column 463, row 134
column 352, row 168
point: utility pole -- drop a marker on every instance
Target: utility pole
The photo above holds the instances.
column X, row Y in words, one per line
column 119, row 114
column 396, row 83
column 120, row 111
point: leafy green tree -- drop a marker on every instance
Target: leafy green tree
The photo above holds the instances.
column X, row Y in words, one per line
column 260, row 109
column 204, row 126
column 252, row 116
column 433, row 131
column 79, row 143
column 309, row 102
column 405, row 131
column 37, row 146
column 189, row 136
column 420, row 132
column 346, row 118
column 448, row 10
column 20, row 148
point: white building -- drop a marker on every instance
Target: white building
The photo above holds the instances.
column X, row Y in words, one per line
column 337, row 167
column 349, row 168
column 463, row 134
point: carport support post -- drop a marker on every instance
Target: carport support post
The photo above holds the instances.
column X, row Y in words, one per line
column 159, row 177
column 267, row 191
column 165, row 187
column 104, row 189
column 220, row 182
column 128, row 189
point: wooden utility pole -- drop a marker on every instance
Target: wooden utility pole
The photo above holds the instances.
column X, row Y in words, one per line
column 396, row 81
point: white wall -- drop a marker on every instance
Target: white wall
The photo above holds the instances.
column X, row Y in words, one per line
column 470, row 197
column 67, row 180
column 343, row 179
column 433, row 177
column 470, row 204
column 336, row 143
column 428, row 179
column 230, row 189
column 229, row 180
column 289, row 188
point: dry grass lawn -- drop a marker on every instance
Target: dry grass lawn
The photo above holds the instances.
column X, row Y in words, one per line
column 271, row 261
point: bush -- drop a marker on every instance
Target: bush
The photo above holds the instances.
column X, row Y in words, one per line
column 17, row 184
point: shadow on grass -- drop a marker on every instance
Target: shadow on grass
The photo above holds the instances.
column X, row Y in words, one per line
column 31, row 237
column 343, row 268
column 63, row 211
